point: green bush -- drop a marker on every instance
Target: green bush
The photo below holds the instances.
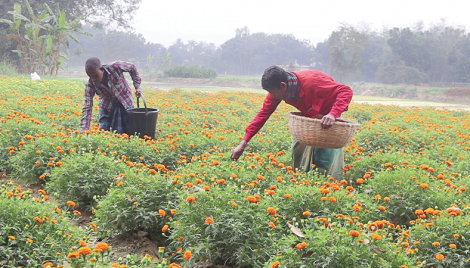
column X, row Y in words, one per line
column 135, row 205
column 82, row 177
column 335, row 247
column 191, row 72
column 33, row 231
column 8, row 69
column 238, row 235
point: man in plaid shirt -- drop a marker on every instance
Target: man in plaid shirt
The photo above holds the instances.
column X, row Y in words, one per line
column 115, row 94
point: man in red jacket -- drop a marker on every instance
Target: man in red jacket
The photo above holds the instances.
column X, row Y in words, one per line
column 314, row 94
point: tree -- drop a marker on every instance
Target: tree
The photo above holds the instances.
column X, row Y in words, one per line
column 99, row 13
column 39, row 48
column 345, row 47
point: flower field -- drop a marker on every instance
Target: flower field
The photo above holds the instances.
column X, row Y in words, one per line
column 402, row 201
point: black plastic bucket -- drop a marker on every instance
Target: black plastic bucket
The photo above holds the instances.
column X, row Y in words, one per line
column 143, row 120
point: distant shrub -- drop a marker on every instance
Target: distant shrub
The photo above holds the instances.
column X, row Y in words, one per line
column 8, row 69
column 191, row 72
column 400, row 74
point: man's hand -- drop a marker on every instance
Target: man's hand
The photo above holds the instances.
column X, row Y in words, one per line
column 327, row 121
column 238, row 151
column 138, row 92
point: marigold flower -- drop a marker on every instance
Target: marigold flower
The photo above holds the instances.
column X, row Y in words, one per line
column 72, row 255
column 376, row 236
column 271, row 210
column 436, row 243
column 11, row 237
column 47, row 264
column 173, row 211
column 453, row 246
column 29, row 240
column 209, row 220
column 162, row 212
column 354, row 233
column 306, row 213
column 39, row 220
column 187, row 254
column 71, row 203
column 272, row 225
column 301, row 246
column 440, row 257
column 84, row 250
column 174, row 265
column 190, row 198
column 275, row 264
column 165, row 228
column 83, row 243
column 382, row 208
column 103, row 246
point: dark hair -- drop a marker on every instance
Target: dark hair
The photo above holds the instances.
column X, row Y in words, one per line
column 92, row 63
column 272, row 77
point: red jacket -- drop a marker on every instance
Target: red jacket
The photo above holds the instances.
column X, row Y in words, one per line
column 318, row 94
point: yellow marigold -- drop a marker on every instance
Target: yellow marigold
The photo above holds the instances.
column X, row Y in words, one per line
column 84, row 250
column 103, row 246
column 209, row 220
column 187, row 254
column 440, row 257
column 275, row 264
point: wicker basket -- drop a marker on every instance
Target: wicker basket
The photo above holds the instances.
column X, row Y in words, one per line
column 308, row 131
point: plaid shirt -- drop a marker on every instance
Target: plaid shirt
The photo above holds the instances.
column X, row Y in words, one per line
column 117, row 88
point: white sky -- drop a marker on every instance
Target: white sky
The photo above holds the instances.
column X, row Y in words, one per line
column 215, row 21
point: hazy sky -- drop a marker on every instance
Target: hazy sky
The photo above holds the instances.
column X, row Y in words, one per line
column 215, row 21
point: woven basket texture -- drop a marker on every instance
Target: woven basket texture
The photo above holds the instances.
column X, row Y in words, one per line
column 308, row 131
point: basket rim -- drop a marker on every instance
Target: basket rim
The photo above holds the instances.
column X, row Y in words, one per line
column 338, row 121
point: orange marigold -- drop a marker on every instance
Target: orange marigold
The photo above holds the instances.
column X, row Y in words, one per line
column 275, row 264
column 187, row 254
column 209, row 220
column 271, row 210
column 301, row 246
column 440, row 257
column 103, row 246
column 162, row 212
column 84, row 250
column 190, row 198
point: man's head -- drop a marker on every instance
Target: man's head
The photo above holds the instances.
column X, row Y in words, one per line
column 274, row 81
column 94, row 69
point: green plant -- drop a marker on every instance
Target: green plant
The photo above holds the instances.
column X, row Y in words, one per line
column 191, row 72
column 33, row 230
column 141, row 202
column 8, row 69
column 81, row 178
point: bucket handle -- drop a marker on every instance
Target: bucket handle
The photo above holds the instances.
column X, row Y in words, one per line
column 145, row 103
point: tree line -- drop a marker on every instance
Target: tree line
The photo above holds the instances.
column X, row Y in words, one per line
column 412, row 55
